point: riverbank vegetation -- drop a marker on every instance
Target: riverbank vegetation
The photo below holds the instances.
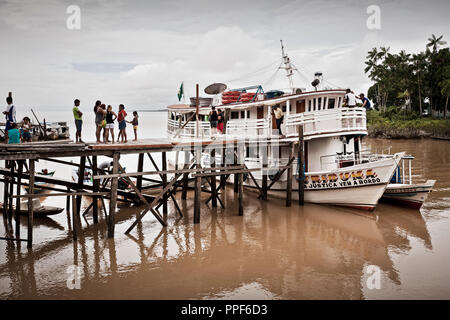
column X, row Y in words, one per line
column 417, row 82
column 396, row 123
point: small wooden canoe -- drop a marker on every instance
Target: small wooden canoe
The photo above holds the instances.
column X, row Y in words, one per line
column 42, row 211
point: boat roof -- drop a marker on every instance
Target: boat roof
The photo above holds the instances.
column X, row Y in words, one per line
column 183, row 108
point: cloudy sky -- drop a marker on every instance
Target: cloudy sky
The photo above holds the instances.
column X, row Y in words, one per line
column 138, row 52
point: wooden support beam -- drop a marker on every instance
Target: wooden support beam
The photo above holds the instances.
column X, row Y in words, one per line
column 68, row 201
column 301, row 164
column 18, row 190
column 164, row 182
column 264, row 150
column 6, row 196
column 74, row 219
column 240, row 160
column 224, row 149
column 81, row 181
column 198, row 187
column 290, row 173
column 213, row 178
column 96, row 187
column 113, row 196
column 30, row 203
column 236, row 176
column 140, row 168
column 185, row 177
column 11, row 192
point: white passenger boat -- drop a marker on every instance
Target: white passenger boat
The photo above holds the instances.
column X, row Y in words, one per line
column 334, row 173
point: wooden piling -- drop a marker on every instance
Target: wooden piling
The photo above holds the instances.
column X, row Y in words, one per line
column 18, row 191
column 164, row 182
column 290, row 173
column 236, row 176
column 68, row 201
column 223, row 178
column 198, row 187
column 30, row 203
column 264, row 171
column 5, row 196
column 185, row 177
column 301, row 163
column 140, row 168
column 96, row 187
column 213, row 179
column 81, row 181
column 11, row 193
column 240, row 160
column 113, row 195
column 74, row 219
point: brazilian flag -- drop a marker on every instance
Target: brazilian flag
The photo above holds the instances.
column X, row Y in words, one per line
column 180, row 92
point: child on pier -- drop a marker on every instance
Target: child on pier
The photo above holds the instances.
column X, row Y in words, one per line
column 135, row 123
column 122, row 123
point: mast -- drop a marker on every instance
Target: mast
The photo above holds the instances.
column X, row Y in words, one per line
column 287, row 66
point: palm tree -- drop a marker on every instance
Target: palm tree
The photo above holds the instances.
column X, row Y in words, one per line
column 435, row 42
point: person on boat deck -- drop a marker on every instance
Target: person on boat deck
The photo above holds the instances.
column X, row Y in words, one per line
column 122, row 124
column 10, row 115
column 220, row 120
column 278, row 113
column 365, row 101
column 13, row 134
column 25, row 130
column 77, row 114
column 110, row 118
column 350, row 99
column 213, row 120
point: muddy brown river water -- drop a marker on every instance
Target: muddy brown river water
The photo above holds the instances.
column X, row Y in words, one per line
column 273, row 252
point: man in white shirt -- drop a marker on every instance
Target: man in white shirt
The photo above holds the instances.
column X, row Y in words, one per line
column 10, row 115
column 350, row 99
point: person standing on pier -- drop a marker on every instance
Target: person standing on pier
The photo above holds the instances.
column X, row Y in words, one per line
column 25, row 130
column 135, row 124
column 10, row 114
column 77, row 114
column 13, row 134
column 99, row 117
column 122, row 124
column 110, row 118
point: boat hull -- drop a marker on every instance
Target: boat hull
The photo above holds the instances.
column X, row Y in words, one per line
column 409, row 195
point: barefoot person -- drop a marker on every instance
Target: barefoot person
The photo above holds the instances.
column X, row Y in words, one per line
column 122, row 124
column 10, row 115
column 135, row 123
column 110, row 118
column 77, row 114
column 99, row 116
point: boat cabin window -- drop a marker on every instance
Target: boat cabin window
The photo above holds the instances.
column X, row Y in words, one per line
column 319, row 103
column 234, row 114
column 339, row 102
column 331, row 102
column 309, row 105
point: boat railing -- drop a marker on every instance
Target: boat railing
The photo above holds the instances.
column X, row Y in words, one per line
column 326, row 121
column 189, row 129
column 248, row 127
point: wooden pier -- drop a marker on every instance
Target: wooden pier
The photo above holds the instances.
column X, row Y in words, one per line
column 19, row 170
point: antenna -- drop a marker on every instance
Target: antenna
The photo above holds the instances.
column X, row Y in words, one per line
column 287, row 66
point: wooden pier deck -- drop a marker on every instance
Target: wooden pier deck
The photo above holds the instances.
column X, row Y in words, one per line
column 19, row 170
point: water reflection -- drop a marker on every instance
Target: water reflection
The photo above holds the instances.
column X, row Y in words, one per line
column 293, row 253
